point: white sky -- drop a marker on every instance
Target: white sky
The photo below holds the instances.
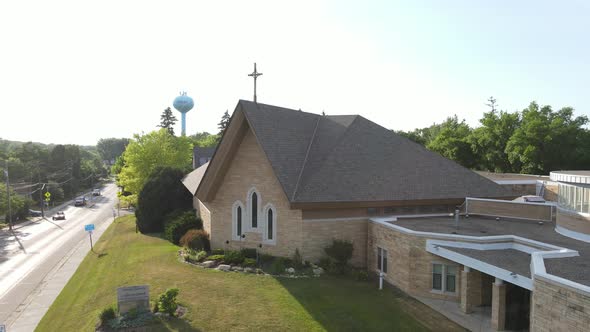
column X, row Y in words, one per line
column 74, row 72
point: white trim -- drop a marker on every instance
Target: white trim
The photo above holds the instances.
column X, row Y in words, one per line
column 234, row 220
column 573, row 212
column 572, row 234
column 249, row 227
column 265, row 239
column 571, row 178
column 383, row 258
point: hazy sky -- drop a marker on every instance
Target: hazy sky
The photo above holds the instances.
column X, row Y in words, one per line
column 77, row 71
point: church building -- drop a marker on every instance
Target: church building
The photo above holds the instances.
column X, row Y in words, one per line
column 283, row 180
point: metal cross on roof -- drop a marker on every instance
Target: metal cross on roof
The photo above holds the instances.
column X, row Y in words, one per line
column 255, row 74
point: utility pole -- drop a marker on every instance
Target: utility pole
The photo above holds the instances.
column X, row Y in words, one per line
column 8, row 196
column 42, row 201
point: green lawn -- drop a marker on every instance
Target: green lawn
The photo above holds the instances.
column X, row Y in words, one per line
column 220, row 301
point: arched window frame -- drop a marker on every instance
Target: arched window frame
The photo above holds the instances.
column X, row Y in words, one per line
column 234, row 228
column 251, row 228
column 265, row 238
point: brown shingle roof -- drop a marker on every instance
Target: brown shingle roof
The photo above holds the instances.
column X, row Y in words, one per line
column 349, row 158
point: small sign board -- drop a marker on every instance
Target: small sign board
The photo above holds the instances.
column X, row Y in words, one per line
column 137, row 297
column 47, row 194
column 89, row 227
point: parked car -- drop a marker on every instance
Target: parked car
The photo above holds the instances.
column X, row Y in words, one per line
column 60, row 215
column 96, row 192
column 34, row 213
column 80, row 201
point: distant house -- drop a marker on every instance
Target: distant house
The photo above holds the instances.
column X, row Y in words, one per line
column 283, row 180
column 201, row 156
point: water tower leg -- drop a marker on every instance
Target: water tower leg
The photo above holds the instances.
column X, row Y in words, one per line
column 183, row 124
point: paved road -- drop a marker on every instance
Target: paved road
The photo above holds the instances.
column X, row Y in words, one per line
column 37, row 260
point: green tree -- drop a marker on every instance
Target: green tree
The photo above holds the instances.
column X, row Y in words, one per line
column 452, row 141
column 489, row 141
column 222, row 125
column 147, row 152
column 111, row 148
column 204, row 139
column 167, row 120
column 162, row 194
column 547, row 140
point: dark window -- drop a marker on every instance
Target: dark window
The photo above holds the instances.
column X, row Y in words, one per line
column 382, row 260
column 254, row 210
column 270, row 224
column 437, row 276
column 372, row 211
column 450, row 278
column 239, row 220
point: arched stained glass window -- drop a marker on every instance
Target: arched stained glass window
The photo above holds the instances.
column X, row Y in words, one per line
column 254, row 210
column 270, row 225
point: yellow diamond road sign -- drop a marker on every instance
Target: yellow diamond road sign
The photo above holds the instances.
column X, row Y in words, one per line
column 47, row 194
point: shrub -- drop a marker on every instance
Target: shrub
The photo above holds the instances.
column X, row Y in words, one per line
column 216, row 258
column 361, row 275
column 325, row 263
column 162, row 193
column 217, row 252
column 249, row 252
column 265, row 258
column 200, row 256
column 107, row 314
column 234, row 257
column 178, row 223
column 297, row 260
column 278, row 266
column 249, row 262
column 340, row 251
column 196, row 239
column 167, row 301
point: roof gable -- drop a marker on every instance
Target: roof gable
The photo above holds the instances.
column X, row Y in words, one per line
column 344, row 158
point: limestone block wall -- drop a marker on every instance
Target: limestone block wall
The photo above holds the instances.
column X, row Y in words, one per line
column 319, row 234
column 573, row 221
column 249, row 169
column 409, row 264
column 510, row 209
column 559, row 308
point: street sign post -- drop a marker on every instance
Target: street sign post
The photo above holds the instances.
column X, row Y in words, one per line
column 89, row 228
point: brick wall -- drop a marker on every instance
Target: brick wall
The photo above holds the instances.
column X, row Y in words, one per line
column 250, row 168
column 319, row 234
column 556, row 308
column 409, row 264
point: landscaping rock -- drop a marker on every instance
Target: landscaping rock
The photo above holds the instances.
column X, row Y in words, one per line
column 224, row 267
column 318, row 271
column 208, row 264
column 237, row 268
column 249, row 270
column 290, row 270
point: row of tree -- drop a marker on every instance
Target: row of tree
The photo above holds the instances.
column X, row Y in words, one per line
column 35, row 168
column 536, row 140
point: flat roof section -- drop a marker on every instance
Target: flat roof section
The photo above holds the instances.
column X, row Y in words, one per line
column 576, row 269
column 508, row 259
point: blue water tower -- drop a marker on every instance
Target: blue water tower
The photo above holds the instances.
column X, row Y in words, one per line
column 183, row 104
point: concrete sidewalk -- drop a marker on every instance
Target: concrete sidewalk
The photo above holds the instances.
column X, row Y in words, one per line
column 31, row 311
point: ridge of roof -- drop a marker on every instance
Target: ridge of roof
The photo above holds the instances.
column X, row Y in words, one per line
column 305, row 160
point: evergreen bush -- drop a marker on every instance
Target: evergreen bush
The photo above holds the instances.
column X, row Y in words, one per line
column 196, row 239
column 179, row 222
